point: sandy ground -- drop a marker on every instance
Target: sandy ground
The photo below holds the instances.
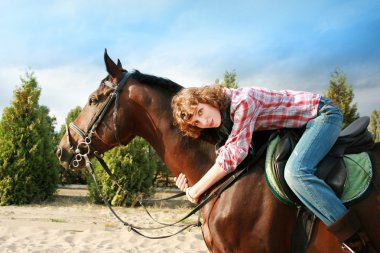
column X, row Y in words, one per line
column 72, row 224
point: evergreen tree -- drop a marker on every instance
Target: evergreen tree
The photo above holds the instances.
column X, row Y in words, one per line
column 374, row 125
column 343, row 95
column 28, row 166
column 229, row 80
column 132, row 167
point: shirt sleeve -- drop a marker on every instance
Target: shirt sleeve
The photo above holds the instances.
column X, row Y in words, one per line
column 236, row 148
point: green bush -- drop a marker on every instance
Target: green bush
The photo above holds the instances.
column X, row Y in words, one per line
column 28, row 166
column 134, row 169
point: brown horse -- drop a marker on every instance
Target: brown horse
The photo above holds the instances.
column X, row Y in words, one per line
column 246, row 217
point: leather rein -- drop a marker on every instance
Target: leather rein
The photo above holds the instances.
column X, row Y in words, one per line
column 85, row 144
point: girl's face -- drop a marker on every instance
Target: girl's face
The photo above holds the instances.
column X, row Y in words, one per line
column 206, row 116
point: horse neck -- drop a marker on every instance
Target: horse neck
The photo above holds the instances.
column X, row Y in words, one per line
column 179, row 153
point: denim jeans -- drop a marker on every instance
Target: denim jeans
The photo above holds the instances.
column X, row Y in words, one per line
column 318, row 138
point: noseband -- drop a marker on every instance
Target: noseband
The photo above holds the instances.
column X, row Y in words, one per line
column 86, row 137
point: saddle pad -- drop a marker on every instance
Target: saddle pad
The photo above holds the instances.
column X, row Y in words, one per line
column 359, row 175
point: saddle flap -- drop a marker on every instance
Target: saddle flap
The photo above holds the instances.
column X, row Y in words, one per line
column 354, row 129
column 333, row 171
column 353, row 139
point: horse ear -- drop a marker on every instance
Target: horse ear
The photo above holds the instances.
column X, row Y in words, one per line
column 119, row 64
column 112, row 69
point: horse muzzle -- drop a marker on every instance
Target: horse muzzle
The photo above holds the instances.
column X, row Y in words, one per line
column 66, row 158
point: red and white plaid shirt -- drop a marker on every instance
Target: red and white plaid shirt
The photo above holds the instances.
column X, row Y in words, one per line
column 254, row 109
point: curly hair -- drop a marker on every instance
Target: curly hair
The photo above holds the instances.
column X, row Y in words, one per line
column 185, row 102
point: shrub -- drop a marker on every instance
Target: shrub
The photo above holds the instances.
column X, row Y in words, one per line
column 132, row 167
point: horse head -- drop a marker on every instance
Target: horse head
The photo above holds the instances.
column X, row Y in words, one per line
column 96, row 129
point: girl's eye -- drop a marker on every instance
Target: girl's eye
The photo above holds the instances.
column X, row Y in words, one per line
column 200, row 112
column 195, row 123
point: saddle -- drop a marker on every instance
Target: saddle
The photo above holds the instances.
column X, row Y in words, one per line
column 332, row 169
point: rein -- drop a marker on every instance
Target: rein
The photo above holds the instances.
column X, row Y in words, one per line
column 235, row 175
column 130, row 226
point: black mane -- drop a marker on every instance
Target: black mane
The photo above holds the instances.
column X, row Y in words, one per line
column 151, row 80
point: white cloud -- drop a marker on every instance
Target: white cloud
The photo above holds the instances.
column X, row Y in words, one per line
column 9, row 78
column 66, row 87
column 62, row 88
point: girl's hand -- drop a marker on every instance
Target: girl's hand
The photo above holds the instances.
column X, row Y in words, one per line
column 181, row 182
column 190, row 196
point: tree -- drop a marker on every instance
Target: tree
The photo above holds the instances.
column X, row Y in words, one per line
column 343, row 95
column 132, row 167
column 71, row 176
column 229, row 80
column 374, row 125
column 28, row 166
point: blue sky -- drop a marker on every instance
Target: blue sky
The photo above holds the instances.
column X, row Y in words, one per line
column 274, row 44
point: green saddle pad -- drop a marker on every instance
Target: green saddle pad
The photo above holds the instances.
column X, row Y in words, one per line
column 359, row 175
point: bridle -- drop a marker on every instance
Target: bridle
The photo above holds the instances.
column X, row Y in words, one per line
column 86, row 137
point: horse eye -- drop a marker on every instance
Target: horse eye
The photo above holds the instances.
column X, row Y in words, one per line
column 93, row 100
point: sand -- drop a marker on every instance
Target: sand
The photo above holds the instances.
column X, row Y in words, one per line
column 72, row 224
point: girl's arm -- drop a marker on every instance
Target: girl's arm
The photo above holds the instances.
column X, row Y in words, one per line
column 212, row 176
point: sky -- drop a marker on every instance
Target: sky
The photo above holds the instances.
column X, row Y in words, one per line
column 274, row 44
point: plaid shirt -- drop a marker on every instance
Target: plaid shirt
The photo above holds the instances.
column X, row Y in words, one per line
column 254, row 109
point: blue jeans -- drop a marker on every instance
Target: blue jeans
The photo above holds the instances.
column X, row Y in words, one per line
column 318, row 138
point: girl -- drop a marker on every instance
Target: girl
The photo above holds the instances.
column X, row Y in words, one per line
column 254, row 109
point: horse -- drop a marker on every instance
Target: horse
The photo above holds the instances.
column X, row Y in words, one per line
column 245, row 217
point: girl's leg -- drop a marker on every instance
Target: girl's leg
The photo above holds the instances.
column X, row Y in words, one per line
column 318, row 138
